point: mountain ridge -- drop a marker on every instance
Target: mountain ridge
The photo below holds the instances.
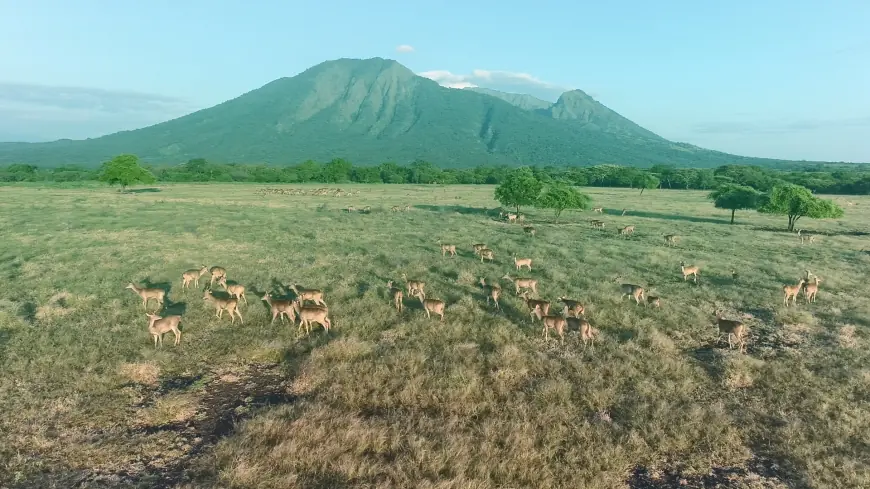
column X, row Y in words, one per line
column 375, row 110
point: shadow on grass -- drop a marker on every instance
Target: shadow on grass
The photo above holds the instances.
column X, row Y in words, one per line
column 673, row 217
column 461, row 209
column 27, row 312
column 143, row 190
column 173, row 308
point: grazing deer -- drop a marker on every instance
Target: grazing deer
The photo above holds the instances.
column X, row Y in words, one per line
column 734, row 328
column 811, row 288
column 587, row 333
column 632, row 290
column 687, row 271
column 431, row 306
column 414, row 285
column 216, row 274
column 523, row 283
column 572, row 307
column 234, row 290
column 529, row 230
column 367, row 209
column 535, row 305
column 280, row 307
column 806, row 238
column 671, row 239
column 313, row 295
column 521, row 218
column 654, row 301
column 511, row 217
column 407, row 207
column 487, row 254
column 193, row 276
column 395, row 208
column 397, row 296
column 791, row 292
column 477, row 247
column 312, row 314
column 230, row 305
column 523, row 262
column 596, row 224
column 448, row 249
column 350, row 208
column 556, row 323
column 599, row 210
column 626, row 231
column 492, row 292
column 146, row 294
column 159, row 325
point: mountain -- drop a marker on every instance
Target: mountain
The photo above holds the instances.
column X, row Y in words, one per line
column 520, row 100
column 375, row 110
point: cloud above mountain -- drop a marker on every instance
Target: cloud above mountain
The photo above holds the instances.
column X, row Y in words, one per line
column 404, row 48
column 508, row 81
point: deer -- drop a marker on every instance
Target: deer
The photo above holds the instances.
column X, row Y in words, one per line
column 448, row 249
column 280, row 307
column 397, row 295
column 216, row 274
column 806, row 238
column 407, row 208
column 309, row 314
column 431, row 306
column 230, row 305
column 632, row 290
column 535, row 305
column 367, row 209
column 599, row 210
column 493, row 292
column 587, row 333
column 521, row 218
column 159, row 325
column 792, row 291
column 731, row 327
column 626, row 231
column 313, row 295
column 523, row 262
column 572, row 307
column 414, row 285
column 193, row 276
column 395, row 208
column 487, row 254
column 671, row 240
column 556, row 323
column 148, row 293
column 811, row 288
column 234, row 290
column 654, row 301
column 687, row 271
column 511, row 217
column 596, row 224
column 523, row 283
column 350, row 208
column 529, row 230
column 477, row 247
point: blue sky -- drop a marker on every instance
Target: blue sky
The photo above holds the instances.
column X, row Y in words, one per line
column 773, row 78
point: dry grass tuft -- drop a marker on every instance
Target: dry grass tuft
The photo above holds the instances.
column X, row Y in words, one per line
column 846, row 337
column 145, row 373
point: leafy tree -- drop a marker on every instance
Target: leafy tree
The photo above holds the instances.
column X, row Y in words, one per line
column 125, row 170
column 520, row 187
column 796, row 202
column 644, row 181
column 734, row 197
column 337, row 171
column 559, row 197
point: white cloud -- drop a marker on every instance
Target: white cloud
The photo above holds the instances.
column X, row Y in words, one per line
column 509, row 81
column 404, row 48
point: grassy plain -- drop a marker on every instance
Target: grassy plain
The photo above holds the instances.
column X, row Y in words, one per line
column 390, row 400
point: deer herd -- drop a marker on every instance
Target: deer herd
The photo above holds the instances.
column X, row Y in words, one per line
column 308, row 305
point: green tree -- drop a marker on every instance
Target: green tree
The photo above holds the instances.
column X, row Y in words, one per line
column 125, row 170
column 734, row 197
column 796, row 202
column 336, row 171
column 519, row 188
column 559, row 197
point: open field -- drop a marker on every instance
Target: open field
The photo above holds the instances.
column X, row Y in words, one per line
column 398, row 400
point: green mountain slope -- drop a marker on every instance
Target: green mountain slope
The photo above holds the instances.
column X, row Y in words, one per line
column 521, row 100
column 375, row 110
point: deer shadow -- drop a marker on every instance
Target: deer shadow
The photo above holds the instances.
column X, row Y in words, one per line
column 143, row 190
column 461, row 209
column 173, row 309
column 672, row 217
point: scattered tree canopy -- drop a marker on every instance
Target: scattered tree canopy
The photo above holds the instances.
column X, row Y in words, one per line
column 795, row 202
column 518, row 189
column 125, row 170
column 734, row 197
column 559, row 197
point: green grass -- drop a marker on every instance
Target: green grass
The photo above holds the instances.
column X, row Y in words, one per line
column 390, row 400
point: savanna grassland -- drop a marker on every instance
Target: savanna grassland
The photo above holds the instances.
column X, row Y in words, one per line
column 398, row 400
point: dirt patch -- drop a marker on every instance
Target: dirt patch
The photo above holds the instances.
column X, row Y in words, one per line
column 758, row 473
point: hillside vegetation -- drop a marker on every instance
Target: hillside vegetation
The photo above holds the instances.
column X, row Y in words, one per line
column 376, row 110
column 389, row 399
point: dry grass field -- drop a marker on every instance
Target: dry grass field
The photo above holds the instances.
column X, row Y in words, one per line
column 385, row 399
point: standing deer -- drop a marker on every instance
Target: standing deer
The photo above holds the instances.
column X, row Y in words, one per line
column 148, row 293
column 492, row 292
column 732, row 328
column 234, row 290
column 689, row 271
column 193, row 276
column 431, row 306
column 221, row 305
column 217, row 273
column 280, row 307
column 791, row 292
column 397, row 295
column 159, row 325
column 523, row 262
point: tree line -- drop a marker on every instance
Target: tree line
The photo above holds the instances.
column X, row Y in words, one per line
column 843, row 179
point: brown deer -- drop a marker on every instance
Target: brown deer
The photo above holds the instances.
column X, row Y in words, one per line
column 806, row 238
column 493, row 292
column 313, row 295
column 216, row 274
column 159, row 325
column 280, row 307
column 230, row 305
column 791, row 292
column 811, row 289
column 654, row 301
column 626, row 231
column 193, row 276
column 523, row 283
column 572, row 307
column 556, row 323
column 523, row 262
column 671, row 240
column 477, row 247
column 632, row 290
column 535, row 305
column 448, row 249
column 587, row 333
column 397, row 295
column 234, row 290
column 431, row 306
column 731, row 327
column 529, row 230
column 487, row 254
column 414, row 285
column 148, row 293
column 687, row 271
column 312, row 314
column 599, row 210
